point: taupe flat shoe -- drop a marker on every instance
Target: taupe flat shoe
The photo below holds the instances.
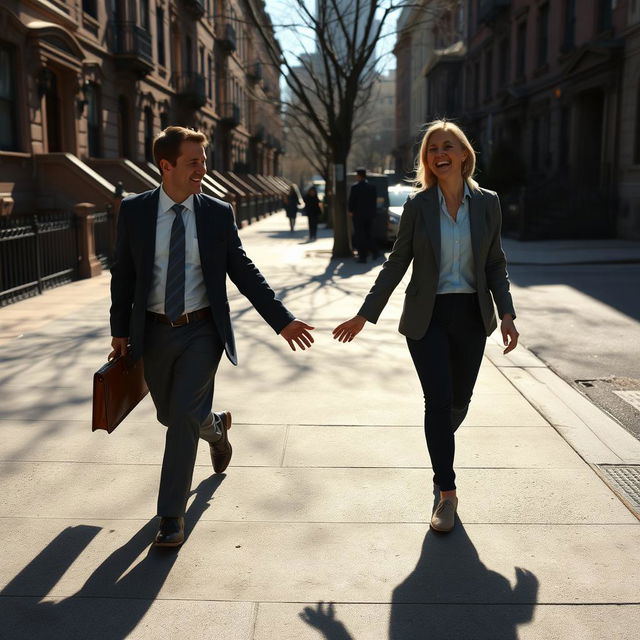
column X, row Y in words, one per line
column 444, row 517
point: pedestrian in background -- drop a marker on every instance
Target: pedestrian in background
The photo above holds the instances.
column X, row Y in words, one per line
column 291, row 206
column 450, row 231
column 362, row 209
column 313, row 211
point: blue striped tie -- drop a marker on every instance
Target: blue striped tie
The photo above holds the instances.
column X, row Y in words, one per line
column 174, row 292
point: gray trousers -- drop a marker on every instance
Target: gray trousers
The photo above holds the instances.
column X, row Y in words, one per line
column 180, row 364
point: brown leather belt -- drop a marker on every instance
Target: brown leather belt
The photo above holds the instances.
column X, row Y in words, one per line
column 185, row 318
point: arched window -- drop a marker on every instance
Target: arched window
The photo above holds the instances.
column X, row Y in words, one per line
column 164, row 120
column 124, row 135
column 94, row 120
column 8, row 123
column 90, row 7
column 636, row 147
column 160, row 35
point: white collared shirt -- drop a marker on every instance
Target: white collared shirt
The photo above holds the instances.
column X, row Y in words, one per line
column 195, row 293
column 456, row 253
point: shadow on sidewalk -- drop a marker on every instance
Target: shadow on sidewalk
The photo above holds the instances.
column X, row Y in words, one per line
column 610, row 284
column 450, row 595
column 115, row 597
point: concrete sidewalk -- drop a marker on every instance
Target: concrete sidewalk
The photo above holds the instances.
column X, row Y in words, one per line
column 328, row 495
column 572, row 252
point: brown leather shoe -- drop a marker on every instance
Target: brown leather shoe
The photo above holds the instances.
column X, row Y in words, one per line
column 221, row 450
column 170, row 533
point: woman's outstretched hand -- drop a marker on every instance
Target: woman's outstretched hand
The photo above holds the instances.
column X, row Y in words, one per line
column 348, row 330
column 509, row 333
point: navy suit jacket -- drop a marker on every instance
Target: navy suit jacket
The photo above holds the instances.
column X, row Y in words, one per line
column 221, row 253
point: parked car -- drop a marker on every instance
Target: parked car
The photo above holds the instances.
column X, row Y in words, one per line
column 381, row 183
column 398, row 194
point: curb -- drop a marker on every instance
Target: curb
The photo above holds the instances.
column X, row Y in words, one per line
column 593, row 434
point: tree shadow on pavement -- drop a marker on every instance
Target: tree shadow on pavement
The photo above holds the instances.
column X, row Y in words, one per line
column 450, row 595
column 115, row 597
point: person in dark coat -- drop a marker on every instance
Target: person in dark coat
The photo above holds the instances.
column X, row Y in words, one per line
column 362, row 209
column 312, row 209
column 291, row 207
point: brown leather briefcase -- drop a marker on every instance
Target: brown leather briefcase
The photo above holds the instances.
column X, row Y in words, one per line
column 118, row 387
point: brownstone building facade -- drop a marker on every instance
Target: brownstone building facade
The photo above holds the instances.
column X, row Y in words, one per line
column 542, row 92
column 86, row 83
column 548, row 90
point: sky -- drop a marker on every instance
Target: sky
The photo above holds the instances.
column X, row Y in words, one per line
column 283, row 12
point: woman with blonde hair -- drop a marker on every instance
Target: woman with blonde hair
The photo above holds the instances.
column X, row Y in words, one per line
column 450, row 230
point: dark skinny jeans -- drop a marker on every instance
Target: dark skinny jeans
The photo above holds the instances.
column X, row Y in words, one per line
column 447, row 360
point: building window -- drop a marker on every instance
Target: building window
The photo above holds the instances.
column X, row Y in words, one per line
column 148, row 134
column 188, row 54
column 164, row 120
column 565, row 124
column 476, row 83
column 94, row 121
column 535, row 143
column 503, row 77
column 605, row 17
column 636, row 149
column 521, row 51
column 123, row 127
column 210, row 77
column 90, row 7
column 8, row 121
column 160, row 35
column 543, row 35
column 569, row 38
column 144, row 15
column 488, row 74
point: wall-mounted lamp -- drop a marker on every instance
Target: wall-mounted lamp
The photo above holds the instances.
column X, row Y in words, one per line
column 45, row 81
column 83, row 99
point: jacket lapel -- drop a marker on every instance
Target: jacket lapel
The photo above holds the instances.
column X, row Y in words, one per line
column 477, row 226
column 431, row 216
column 149, row 233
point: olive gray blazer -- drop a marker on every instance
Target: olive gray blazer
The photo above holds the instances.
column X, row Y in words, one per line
column 419, row 241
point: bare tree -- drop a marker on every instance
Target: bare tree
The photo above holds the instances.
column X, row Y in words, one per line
column 331, row 85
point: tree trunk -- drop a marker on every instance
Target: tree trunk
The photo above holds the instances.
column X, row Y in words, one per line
column 341, row 227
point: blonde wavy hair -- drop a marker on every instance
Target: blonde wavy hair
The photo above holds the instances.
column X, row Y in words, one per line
column 424, row 177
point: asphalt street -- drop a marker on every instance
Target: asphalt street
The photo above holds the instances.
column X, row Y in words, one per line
column 584, row 322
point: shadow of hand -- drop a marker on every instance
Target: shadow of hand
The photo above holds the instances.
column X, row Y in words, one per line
column 324, row 620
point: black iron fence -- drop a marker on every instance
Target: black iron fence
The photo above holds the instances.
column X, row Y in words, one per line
column 102, row 230
column 37, row 252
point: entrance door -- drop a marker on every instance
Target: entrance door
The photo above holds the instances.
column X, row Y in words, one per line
column 53, row 113
column 590, row 112
column 123, row 128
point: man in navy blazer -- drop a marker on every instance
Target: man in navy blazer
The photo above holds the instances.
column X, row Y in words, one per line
column 174, row 250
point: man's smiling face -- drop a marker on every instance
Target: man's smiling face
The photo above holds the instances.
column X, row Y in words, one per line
column 185, row 178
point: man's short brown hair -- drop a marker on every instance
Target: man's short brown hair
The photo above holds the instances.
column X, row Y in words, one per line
column 166, row 145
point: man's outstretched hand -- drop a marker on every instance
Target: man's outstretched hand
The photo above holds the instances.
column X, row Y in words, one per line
column 297, row 333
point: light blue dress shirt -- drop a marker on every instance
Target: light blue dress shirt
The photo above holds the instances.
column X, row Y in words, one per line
column 195, row 293
column 456, row 253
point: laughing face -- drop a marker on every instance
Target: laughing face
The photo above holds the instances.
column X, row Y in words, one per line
column 186, row 177
column 445, row 155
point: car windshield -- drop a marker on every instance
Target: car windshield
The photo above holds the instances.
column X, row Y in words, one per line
column 397, row 197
